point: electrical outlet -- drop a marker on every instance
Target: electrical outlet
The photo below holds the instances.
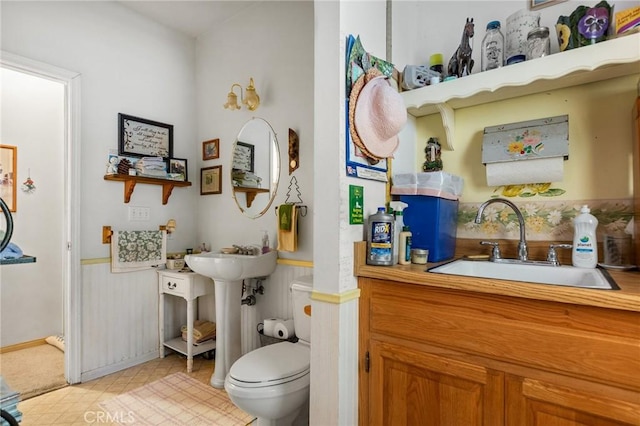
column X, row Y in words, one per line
column 139, row 213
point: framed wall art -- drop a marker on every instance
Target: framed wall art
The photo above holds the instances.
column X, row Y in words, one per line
column 211, row 149
column 8, row 178
column 178, row 169
column 243, row 156
column 211, row 180
column 138, row 137
column 539, row 4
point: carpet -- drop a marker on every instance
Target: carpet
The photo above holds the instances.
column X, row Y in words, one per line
column 33, row 371
column 175, row 400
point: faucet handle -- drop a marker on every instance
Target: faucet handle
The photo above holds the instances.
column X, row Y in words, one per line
column 552, row 256
column 495, row 251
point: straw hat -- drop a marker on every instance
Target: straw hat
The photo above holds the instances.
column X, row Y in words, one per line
column 380, row 114
column 353, row 99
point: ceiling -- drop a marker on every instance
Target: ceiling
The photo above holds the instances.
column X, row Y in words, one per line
column 187, row 16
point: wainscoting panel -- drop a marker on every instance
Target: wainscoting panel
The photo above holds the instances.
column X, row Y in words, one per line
column 119, row 319
column 120, row 315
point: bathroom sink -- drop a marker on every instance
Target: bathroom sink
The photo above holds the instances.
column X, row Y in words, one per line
column 228, row 272
column 232, row 267
column 541, row 274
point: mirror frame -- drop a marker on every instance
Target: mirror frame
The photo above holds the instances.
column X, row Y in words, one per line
column 274, row 178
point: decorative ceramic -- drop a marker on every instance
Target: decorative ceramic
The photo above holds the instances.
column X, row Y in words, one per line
column 585, row 26
column 519, row 24
column 461, row 63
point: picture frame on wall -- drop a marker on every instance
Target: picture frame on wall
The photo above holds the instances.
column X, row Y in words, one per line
column 8, row 175
column 211, row 149
column 211, row 180
column 178, row 169
column 243, row 156
column 139, row 137
column 539, row 4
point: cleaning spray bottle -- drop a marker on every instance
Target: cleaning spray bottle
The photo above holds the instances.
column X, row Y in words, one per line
column 398, row 207
column 585, row 246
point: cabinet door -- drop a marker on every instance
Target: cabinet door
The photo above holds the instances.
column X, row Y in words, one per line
column 531, row 402
column 410, row 387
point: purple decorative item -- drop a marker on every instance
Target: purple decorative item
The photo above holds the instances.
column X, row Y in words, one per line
column 461, row 62
column 594, row 23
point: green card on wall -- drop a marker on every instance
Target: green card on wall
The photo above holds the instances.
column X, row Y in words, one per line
column 356, row 205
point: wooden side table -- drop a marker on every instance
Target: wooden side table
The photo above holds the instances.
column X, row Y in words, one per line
column 189, row 286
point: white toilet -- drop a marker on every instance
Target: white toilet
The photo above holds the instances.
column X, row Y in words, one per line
column 272, row 382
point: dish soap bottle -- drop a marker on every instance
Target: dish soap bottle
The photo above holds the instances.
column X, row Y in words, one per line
column 585, row 246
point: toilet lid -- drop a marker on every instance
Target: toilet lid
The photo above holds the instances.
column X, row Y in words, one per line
column 272, row 363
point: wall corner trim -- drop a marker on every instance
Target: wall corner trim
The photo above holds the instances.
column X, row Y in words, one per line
column 336, row 298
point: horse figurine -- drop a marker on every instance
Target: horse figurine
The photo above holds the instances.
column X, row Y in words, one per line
column 461, row 61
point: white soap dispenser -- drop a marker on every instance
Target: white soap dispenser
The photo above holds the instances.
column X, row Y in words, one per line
column 585, row 246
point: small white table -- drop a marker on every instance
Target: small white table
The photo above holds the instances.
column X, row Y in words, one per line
column 189, row 286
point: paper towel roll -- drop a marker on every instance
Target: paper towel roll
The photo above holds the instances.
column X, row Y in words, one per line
column 538, row 170
column 283, row 329
column 269, row 326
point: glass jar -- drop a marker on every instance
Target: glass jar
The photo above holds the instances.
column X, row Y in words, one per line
column 538, row 43
column 492, row 47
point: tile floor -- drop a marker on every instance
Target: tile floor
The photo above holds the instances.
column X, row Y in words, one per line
column 78, row 404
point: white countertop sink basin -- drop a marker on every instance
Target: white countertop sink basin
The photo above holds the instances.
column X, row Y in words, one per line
column 541, row 274
column 232, row 267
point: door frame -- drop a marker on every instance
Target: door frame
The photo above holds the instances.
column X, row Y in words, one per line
column 71, row 226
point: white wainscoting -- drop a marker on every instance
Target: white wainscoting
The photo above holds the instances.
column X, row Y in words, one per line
column 120, row 315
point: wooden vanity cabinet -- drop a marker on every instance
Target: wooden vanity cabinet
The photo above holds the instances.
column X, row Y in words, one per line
column 434, row 356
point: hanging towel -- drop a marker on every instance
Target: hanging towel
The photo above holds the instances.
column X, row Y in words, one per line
column 137, row 250
column 284, row 215
column 288, row 239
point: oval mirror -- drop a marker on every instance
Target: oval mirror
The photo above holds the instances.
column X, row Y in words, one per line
column 255, row 167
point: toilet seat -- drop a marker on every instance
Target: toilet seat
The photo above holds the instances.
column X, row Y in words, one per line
column 271, row 365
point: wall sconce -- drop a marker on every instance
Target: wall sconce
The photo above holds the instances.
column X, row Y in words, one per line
column 171, row 226
column 250, row 99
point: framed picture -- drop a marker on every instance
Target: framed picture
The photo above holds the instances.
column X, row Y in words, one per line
column 138, row 137
column 539, row 4
column 243, row 156
column 8, row 178
column 178, row 169
column 211, row 180
column 211, row 149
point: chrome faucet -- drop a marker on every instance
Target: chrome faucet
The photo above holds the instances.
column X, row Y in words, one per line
column 522, row 245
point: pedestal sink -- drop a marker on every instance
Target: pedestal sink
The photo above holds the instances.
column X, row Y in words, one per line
column 227, row 272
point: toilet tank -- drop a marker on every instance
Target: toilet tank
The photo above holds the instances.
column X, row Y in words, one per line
column 301, row 300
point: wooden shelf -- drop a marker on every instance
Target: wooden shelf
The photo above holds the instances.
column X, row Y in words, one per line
column 602, row 61
column 251, row 192
column 131, row 181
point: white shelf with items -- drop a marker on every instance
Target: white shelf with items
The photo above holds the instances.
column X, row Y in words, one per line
column 606, row 60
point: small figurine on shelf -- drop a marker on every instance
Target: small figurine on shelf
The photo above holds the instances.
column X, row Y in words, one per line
column 434, row 160
column 461, row 63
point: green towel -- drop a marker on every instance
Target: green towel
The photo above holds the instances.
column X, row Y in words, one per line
column 285, row 211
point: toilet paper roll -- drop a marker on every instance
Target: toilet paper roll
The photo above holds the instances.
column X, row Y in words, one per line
column 269, row 326
column 284, row 329
column 539, row 170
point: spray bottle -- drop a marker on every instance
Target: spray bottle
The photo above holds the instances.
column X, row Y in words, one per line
column 398, row 207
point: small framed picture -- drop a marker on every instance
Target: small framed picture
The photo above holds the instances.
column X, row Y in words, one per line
column 243, row 156
column 178, row 169
column 211, row 149
column 539, row 4
column 211, row 180
column 8, row 178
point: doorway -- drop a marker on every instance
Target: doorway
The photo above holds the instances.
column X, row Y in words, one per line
column 68, row 224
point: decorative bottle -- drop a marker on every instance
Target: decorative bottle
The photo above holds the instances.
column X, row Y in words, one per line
column 492, row 47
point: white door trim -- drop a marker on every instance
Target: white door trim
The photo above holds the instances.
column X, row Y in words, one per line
column 71, row 226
